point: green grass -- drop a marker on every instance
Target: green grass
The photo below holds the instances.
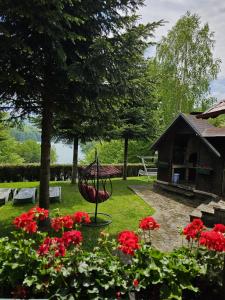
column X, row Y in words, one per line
column 124, row 206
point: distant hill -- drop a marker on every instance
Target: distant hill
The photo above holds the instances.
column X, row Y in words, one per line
column 27, row 132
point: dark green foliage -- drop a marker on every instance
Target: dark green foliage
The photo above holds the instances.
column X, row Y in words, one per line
column 112, row 151
column 185, row 66
column 68, row 56
column 96, row 274
column 31, row 172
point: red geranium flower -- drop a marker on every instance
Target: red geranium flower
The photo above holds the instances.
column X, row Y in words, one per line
column 128, row 241
column 39, row 213
column 81, row 217
column 213, row 240
column 72, row 237
column 62, row 222
column 148, row 223
column 194, row 229
column 55, row 245
column 135, row 282
column 219, row 228
column 26, row 222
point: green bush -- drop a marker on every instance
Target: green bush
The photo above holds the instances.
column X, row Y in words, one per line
column 59, row 172
column 54, row 264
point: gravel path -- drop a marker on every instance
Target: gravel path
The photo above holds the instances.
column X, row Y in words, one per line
column 171, row 212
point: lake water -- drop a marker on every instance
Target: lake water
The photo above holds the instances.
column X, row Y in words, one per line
column 65, row 153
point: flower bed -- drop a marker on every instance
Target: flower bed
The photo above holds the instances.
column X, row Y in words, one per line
column 35, row 264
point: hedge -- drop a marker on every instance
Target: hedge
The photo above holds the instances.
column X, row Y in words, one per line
column 59, row 172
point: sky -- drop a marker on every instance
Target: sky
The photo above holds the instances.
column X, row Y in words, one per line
column 210, row 11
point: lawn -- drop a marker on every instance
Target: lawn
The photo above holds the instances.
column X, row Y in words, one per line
column 124, row 206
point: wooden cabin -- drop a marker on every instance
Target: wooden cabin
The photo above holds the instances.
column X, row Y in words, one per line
column 193, row 150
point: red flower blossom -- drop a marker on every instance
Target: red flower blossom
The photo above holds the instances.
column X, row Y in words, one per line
column 72, row 237
column 219, row 228
column 194, row 229
column 213, row 240
column 128, row 241
column 25, row 221
column 135, row 282
column 62, row 222
column 81, row 217
column 118, row 295
column 39, row 213
column 148, row 223
column 55, row 245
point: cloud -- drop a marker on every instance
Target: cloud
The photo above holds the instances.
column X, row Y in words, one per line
column 210, row 11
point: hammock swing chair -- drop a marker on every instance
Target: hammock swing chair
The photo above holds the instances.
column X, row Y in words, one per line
column 95, row 186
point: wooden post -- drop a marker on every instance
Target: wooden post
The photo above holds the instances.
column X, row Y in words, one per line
column 125, row 158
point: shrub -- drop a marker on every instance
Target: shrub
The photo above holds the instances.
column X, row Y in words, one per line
column 59, row 172
column 34, row 264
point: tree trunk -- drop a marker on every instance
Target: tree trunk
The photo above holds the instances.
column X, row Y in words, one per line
column 46, row 127
column 125, row 159
column 75, row 161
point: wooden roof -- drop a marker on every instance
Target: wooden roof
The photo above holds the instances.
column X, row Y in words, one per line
column 214, row 111
column 200, row 127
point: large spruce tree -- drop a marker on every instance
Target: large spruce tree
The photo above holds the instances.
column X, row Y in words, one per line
column 64, row 55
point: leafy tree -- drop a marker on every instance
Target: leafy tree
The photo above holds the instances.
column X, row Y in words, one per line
column 8, row 145
column 136, row 123
column 65, row 55
column 8, row 154
column 30, row 151
column 84, row 128
column 112, row 152
column 26, row 132
column 185, row 66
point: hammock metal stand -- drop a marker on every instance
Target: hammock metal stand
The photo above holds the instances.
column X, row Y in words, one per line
column 95, row 187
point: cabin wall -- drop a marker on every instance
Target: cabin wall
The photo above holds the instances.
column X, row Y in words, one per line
column 205, row 170
column 219, row 164
column 164, row 159
column 207, row 161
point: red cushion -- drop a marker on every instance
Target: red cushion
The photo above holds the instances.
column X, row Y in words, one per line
column 91, row 192
column 103, row 195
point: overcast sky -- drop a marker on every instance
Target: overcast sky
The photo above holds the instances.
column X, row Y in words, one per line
column 211, row 11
